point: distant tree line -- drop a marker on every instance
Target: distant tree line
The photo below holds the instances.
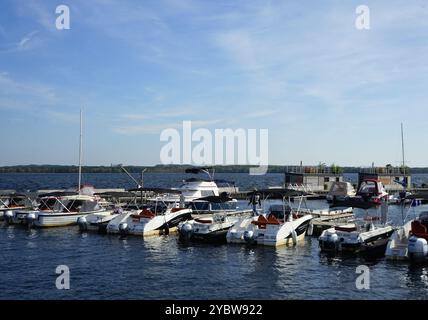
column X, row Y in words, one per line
column 160, row 169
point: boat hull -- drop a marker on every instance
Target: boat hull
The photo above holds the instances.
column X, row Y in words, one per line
column 370, row 242
column 128, row 224
column 273, row 235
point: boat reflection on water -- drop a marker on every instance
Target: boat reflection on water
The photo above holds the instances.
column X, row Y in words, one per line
column 417, row 277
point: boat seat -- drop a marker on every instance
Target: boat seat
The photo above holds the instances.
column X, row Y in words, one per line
column 261, row 222
column 143, row 214
column 419, row 230
column 272, row 219
column 176, row 209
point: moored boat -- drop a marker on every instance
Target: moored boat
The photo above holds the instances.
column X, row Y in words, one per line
column 152, row 220
column 356, row 237
column 410, row 241
column 340, row 191
column 61, row 209
column 274, row 228
column 211, row 227
column 11, row 202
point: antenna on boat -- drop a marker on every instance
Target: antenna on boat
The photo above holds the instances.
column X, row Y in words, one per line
column 132, row 178
column 80, row 153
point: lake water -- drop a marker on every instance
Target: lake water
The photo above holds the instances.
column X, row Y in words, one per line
column 108, row 267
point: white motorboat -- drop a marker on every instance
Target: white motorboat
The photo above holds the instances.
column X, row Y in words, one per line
column 154, row 220
column 275, row 228
column 11, row 202
column 45, row 204
column 98, row 221
column 340, row 191
column 409, row 242
column 211, row 227
column 190, row 192
column 357, row 237
column 65, row 211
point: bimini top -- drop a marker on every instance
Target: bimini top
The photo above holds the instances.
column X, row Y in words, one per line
column 13, row 195
column 222, row 198
column 156, row 190
column 278, row 193
column 115, row 194
column 58, row 194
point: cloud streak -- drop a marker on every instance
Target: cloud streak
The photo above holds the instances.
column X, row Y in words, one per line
column 23, row 44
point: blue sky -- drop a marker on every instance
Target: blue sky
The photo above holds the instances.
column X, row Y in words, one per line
column 326, row 91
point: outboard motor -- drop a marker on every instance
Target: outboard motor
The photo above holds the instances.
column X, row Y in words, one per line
column 418, row 248
column 186, row 231
column 8, row 215
column 83, row 223
column 30, row 218
column 123, row 228
column 329, row 241
column 249, row 236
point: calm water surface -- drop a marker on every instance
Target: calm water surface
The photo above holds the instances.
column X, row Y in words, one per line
column 108, row 267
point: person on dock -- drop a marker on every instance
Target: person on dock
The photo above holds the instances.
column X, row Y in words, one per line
column 254, row 200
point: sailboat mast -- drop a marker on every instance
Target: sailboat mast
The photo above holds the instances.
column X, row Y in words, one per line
column 402, row 143
column 80, row 153
column 403, row 203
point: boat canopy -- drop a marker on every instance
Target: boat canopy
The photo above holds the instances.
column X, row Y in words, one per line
column 14, row 195
column 341, row 188
column 58, row 194
column 156, row 190
column 222, row 198
column 115, row 194
column 278, row 193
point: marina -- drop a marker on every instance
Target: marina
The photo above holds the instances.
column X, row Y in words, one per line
column 213, row 150
column 293, row 267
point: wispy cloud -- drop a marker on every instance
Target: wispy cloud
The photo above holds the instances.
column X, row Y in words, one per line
column 21, row 45
column 15, row 94
column 26, row 39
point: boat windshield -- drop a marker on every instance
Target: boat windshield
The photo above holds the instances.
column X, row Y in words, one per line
column 368, row 187
column 339, row 189
column 423, row 218
column 278, row 210
column 77, row 206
